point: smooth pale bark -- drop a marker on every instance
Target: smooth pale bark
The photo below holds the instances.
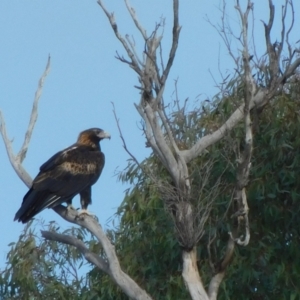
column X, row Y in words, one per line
column 214, row 285
column 111, row 266
column 191, row 275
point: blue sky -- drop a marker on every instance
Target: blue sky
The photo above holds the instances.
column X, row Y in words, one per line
column 85, row 78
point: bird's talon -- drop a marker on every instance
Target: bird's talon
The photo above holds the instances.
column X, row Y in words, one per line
column 86, row 212
column 70, row 207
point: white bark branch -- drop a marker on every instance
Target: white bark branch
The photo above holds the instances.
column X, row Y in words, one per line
column 148, row 131
column 220, row 268
column 214, row 285
column 134, row 62
column 175, row 35
column 128, row 286
column 244, row 162
column 16, row 160
column 167, row 156
column 81, row 247
column 135, row 20
column 34, row 114
column 259, row 99
column 21, row 172
column 191, row 276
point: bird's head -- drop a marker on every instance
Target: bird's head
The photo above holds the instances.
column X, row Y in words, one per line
column 92, row 137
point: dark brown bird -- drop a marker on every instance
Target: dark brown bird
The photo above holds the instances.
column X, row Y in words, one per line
column 67, row 173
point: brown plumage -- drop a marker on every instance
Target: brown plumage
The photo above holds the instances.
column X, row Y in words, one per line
column 69, row 172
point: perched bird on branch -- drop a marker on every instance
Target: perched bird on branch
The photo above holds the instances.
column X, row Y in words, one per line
column 69, row 172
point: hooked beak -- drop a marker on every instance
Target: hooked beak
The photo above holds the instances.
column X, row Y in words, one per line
column 104, row 135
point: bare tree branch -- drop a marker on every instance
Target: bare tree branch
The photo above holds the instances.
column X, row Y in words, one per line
column 34, row 113
column 191, row 276
column 214, row 285
column 176, row 31
column 21, row 172
column 220, row 267
column 70, row 240
column 134, row 63
column 225, row 32
column 132, row 46
column 128, row 286
column 244, row 162
column 16, row 160
column 136, row 22
column 287, row 40
column 260, row 98
column 122, row 137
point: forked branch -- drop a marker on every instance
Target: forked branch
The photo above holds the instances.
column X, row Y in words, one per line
column 16, row 160
column 79, row 245
column 34, row 114
column 134, row 62
column 111, row 266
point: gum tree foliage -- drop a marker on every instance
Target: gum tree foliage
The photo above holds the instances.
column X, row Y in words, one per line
column 185, row 223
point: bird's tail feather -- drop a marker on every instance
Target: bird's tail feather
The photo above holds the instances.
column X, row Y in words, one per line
column 36, row 201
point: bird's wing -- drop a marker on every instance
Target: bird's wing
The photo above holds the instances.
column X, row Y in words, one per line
column 69, row 171
column 60, row 157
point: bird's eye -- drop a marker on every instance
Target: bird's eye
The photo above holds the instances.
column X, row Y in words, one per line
column 97, row 131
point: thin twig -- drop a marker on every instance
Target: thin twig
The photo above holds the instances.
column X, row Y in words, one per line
column 79, row 245
column 135, row 20
column 132, row 46
column 122, row 137
column 111, row 18
column 176, row 31
column 290, row 29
